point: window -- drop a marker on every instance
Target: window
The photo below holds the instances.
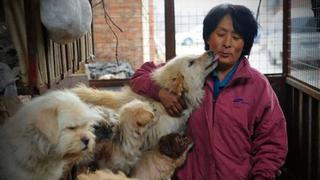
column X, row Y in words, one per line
column 305, row 44
column 266, row 53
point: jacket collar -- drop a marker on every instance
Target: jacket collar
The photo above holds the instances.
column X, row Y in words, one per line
column 243, row 69
column 242, row 72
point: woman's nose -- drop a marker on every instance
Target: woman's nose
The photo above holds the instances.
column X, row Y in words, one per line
column 227, row 41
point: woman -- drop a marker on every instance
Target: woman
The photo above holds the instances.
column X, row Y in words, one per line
column 239, row 130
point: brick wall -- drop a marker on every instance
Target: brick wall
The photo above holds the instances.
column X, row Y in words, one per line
column 127, row 14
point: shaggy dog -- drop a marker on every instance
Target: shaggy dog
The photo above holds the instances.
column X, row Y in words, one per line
column 124, row 151
column 107, row 127
column 103, row 175
column 44, row 135
column 184, row 76
column 104, row 130
column 161, row 163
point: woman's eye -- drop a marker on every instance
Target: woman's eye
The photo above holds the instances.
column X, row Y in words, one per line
column 236, row 37
column 220, row 34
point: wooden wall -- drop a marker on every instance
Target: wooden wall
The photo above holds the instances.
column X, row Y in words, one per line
column 303, row 122
column 301, row 106
column 43, row 64
column 65, row 60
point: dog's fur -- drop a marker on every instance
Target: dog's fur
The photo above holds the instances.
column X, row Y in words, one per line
column 184, row 76
column 103, row 175
column 105, row 130
column 124, row 150
column 44, row 135
column 161, row 163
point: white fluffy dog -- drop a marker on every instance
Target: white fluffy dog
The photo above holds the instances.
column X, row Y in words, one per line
column 184, row 76
column 44, row 135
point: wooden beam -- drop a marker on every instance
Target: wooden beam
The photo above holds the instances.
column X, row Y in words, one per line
column 302, row 86
column 32, row 9
column 170, row 29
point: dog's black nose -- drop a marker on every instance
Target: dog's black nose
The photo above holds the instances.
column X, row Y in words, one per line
column 85, row 141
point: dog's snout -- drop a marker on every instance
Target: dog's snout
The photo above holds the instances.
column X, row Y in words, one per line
column 85, row 141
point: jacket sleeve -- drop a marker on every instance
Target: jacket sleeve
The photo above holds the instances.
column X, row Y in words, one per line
column 269, row 141
column 142, row 83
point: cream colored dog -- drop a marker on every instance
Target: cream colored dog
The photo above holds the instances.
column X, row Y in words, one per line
column 161, row 163
column 44, row 135
column 184, row 76
column 123, row 151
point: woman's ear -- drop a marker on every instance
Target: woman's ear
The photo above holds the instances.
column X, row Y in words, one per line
column 47, row 123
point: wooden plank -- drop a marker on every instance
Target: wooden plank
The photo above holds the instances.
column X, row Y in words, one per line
column 315, row 151
column 46, row 49
column 170, row 29
column 307, row 120
column 64, row 59
column 317, row 115
column 75, row 57
column 91, row 33
column 56, row 63
column 42, row 79
column 85, row 48
column 82, row 50
column 300, row 132
column 313, row 92
column 78, row 54
column 91, row 47
column 296, row 136
column 59, row 65
column 42, row 62
column 60, row 61
column 289, row 110
column 31, row 8
column 50, row 63
column 69, row 56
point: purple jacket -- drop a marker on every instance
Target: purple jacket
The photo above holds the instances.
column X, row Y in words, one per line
column 240, row 135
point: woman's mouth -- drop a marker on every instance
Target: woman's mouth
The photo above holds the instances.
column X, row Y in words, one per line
column 224, row 55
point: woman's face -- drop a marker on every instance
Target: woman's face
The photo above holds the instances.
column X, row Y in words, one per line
column 227, row 44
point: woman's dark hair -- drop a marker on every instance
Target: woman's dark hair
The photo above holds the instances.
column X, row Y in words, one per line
column 243, row 21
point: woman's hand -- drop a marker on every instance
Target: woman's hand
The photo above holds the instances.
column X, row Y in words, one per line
column 173, row 104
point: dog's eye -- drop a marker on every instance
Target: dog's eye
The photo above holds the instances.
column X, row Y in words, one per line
column 191, row 63
column 71, row 127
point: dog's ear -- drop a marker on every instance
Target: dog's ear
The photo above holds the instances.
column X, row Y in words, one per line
column 178, row 84
column 47, row 124
column 143, row 117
